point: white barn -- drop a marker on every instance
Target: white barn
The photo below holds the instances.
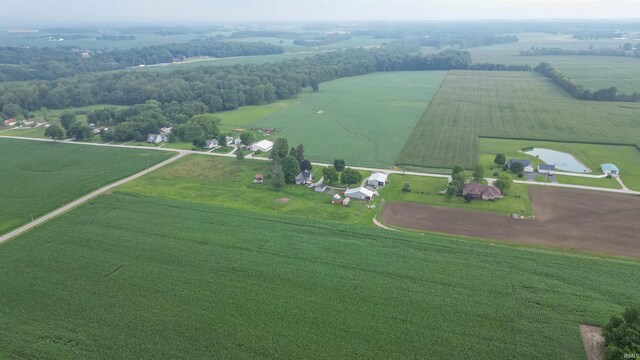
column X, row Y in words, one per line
column 359, row 193
column 262, row 145
column 377, row 179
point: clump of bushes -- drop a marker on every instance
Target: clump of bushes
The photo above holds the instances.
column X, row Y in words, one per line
column 622, row 334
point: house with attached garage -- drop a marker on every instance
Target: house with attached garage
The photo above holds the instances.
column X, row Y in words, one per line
column 526, row 164
column 483, row 192
column 546, row 169
column 610, row 169
column 377, row 179
column 359, row 193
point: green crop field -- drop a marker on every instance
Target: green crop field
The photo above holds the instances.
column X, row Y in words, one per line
column 512, row 105
column 627, row 158
column 366, row 119
column 246, row 116
column 594, row 72
column 426, row 190
column 37, row 177
column 227, row 182
column 129, row 276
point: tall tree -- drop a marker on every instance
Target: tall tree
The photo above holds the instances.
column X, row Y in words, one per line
column 239, row 154
column 11, row 110
column 277, row 175
column 503, row 183
column 500, row 159
column 306, row 165
column 299, row 153
column 622, row 334
column 339, row 164
column 330, row 175
column 350, row 176
column 478, row 174
column 314, row 85
column 291, row 169
column 81, row 130
column 55, row 132
column 280, row 148
column 247, row 138
column 66, row 119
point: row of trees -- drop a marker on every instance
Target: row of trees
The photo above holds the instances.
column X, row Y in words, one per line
column 579, row 92
column 221, row 88
column 624, row 51
column 286, row 163
column 49, row 63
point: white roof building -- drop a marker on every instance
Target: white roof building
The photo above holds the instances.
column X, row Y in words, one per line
column 377, row 179
column 262, row 145
column 360, row 193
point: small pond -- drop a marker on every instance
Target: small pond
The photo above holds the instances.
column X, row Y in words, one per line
column 563, row 161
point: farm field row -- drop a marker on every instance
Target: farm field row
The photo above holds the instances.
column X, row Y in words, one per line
column 192, row 280
column 470, row 104
column 627, row 158
column 366, row 119
column 37, row 177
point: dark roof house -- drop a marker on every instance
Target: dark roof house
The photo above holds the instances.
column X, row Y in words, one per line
column 304, row 177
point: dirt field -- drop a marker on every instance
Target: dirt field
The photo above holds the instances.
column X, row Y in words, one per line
column 576, row 219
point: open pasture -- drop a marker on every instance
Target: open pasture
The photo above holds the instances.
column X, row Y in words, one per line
column 366, row 119
column 520, row 105
column 37, row 177
column 129, row 276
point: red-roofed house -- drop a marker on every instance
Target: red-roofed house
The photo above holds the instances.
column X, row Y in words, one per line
column 10, row 122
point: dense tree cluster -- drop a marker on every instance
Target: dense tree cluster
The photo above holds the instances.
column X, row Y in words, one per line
column 221, row 88
column 32, row 63
column 579, row 92
column 622, row 334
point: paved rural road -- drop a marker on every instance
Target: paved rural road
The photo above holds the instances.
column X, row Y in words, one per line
column 69, row 206
column 388, row 171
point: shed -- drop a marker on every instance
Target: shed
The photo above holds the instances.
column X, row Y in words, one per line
column 155, row 138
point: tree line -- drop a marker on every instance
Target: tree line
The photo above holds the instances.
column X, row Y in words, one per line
column 626, row 50
column 50, row 63
column 323, row 40
column 579, row 92
column 221, row 88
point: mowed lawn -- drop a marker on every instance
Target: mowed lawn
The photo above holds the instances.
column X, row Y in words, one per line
column 626, row 158
column 227, row 182
column 129, row 276
column 426, row 190
column 366, row 119
column 512, row 105
column 37, row 177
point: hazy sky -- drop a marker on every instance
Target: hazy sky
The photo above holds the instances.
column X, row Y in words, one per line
column 16, row 12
